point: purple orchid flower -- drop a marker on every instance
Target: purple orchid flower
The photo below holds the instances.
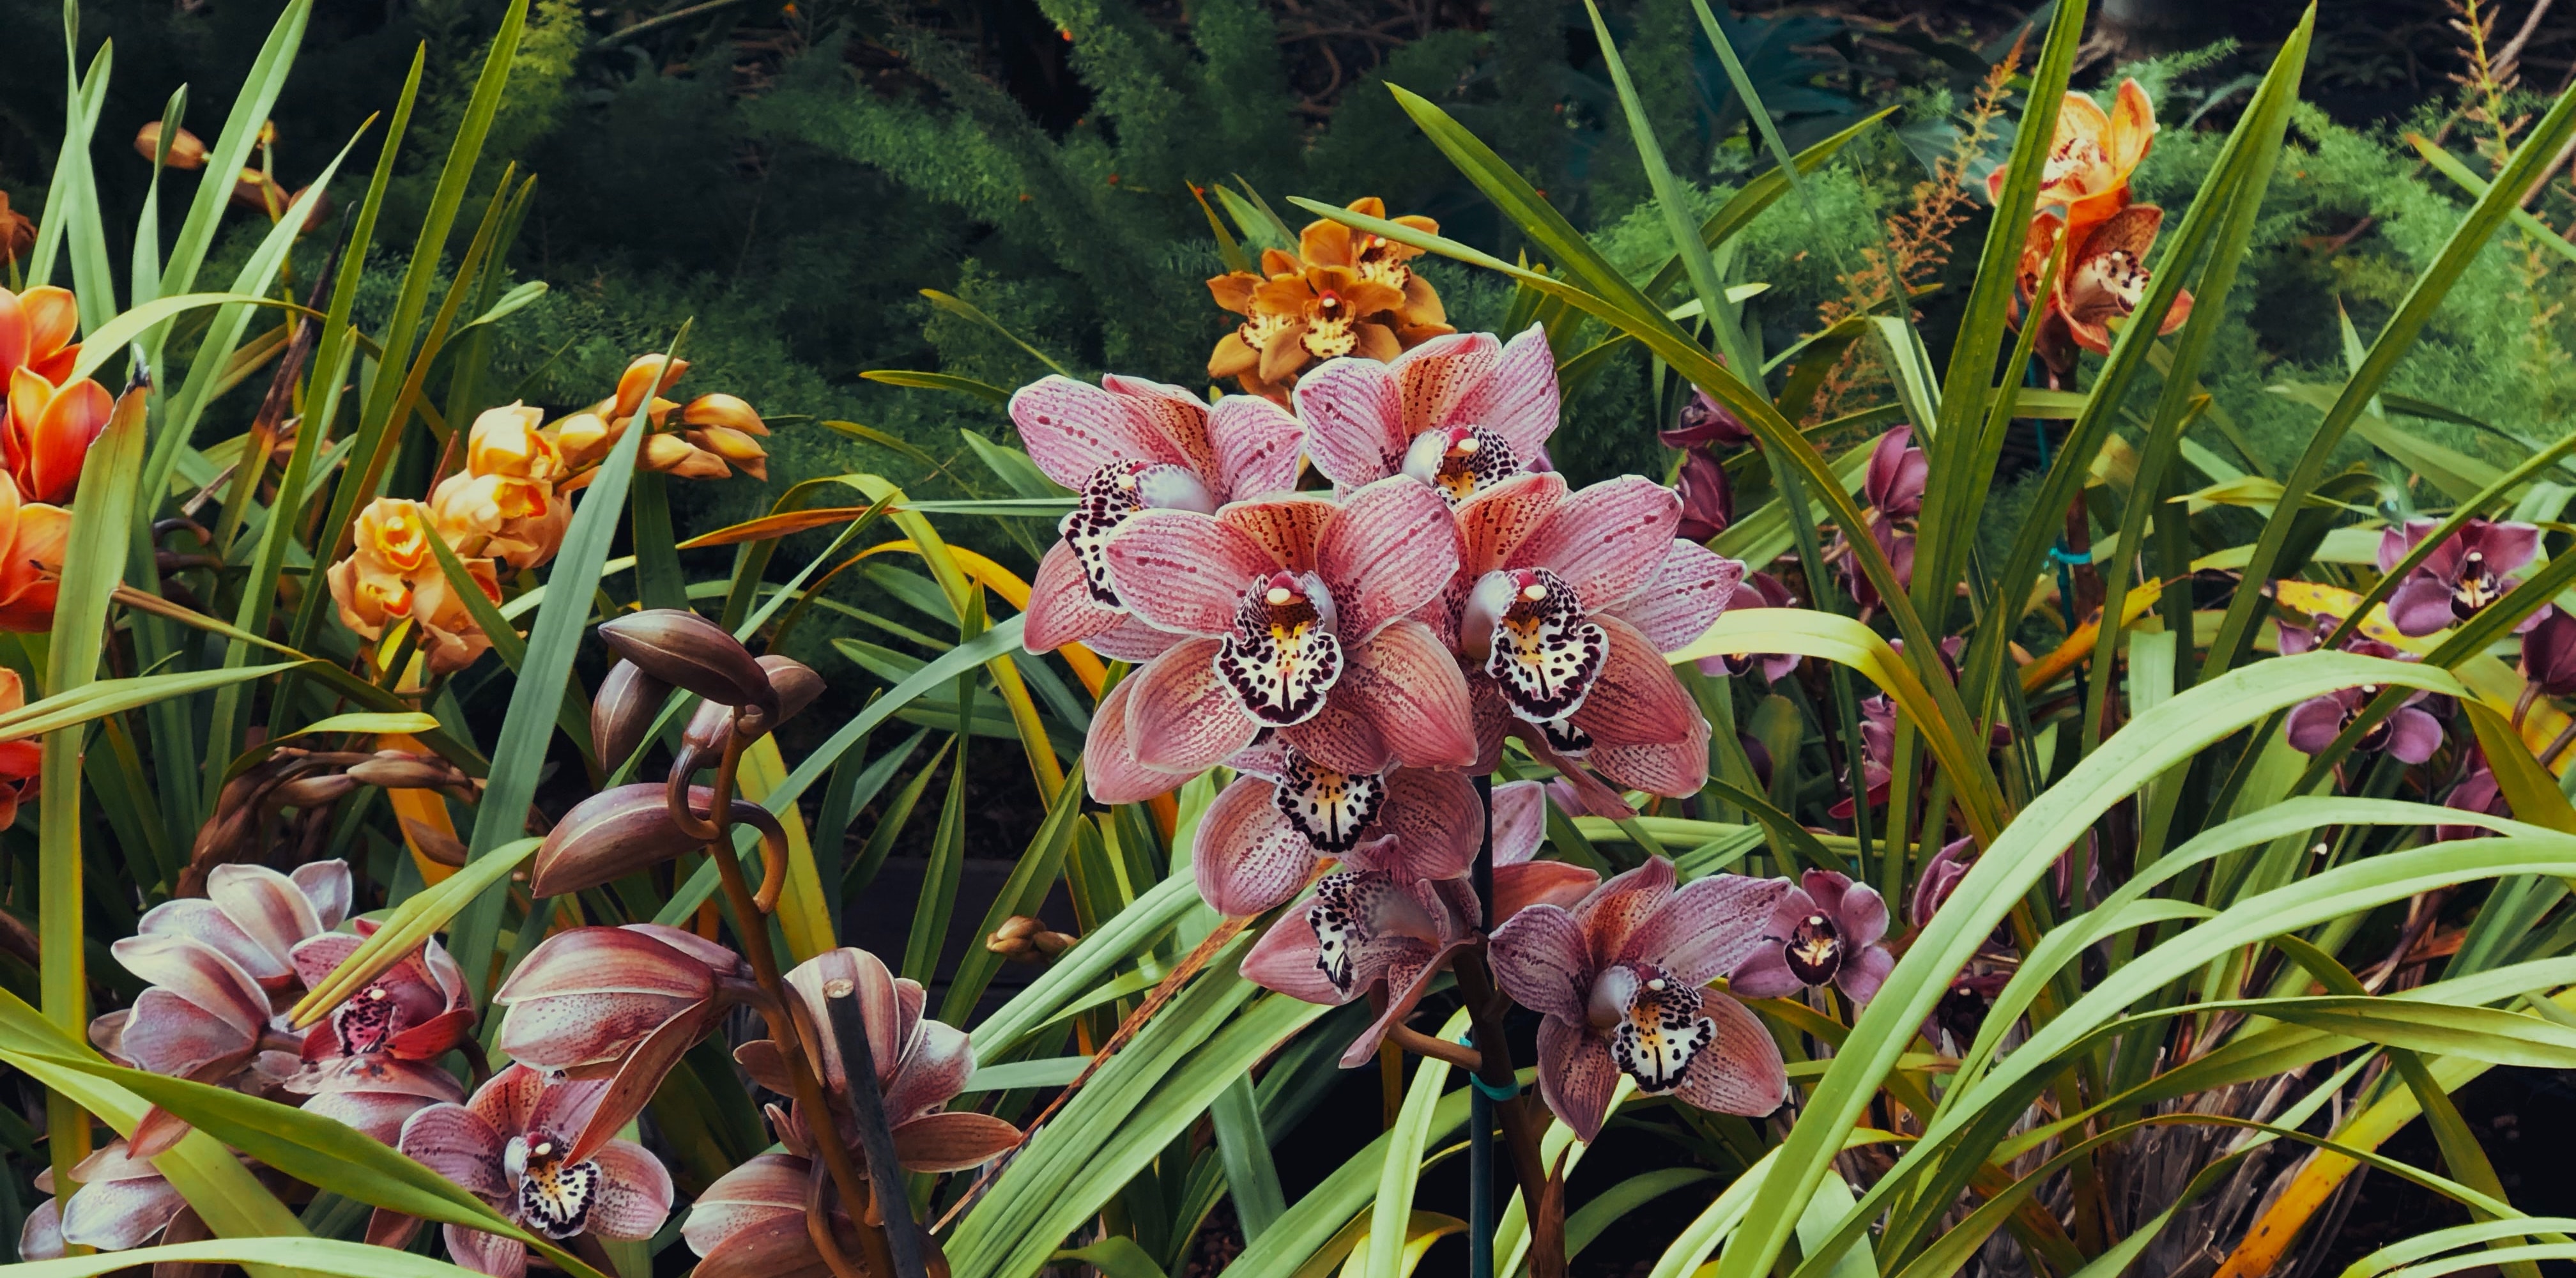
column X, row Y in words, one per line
column 1827, row 930
column 1877, row 755
column 2476, row 792
column 1622, row 980
column 1939, row 878
column 1391, row 916
column 1704, row 422
column 2462, row 575
column 1708, row 499
column 1563, row 607
column 2549, row 653
column 123, row 1203
column 1960, row 1016
column 1756, row 590
column 1129, row 445
column 1893, row 487
column 1461, row 413
column 2411, row 734
column 1296, row 613
column 536, row 1151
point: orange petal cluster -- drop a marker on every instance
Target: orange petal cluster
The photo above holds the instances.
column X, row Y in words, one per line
column 506, row 503
column 1343, row 292
column 715, row 434
column 2084, row 200
column 49, row 420
column 392, row 575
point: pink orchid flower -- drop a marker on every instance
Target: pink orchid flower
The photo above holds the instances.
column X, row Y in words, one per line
column 1939, row 878
column 2460, row 578
column 1622, row 978
column 1461, row 413
column 1390, row 916
column 215, row 967
column 416, row 1010
column 374, row 1092
column 921, row 1064
column 123, row 1203
column 1296, row 612
column 1258, row 843
column 586, row 999
column 1826, row 930
column 1124, row 446
column 534, row 1151
column 1563, row 608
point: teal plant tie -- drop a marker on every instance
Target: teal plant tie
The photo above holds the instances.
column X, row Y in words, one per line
column 1488, row 1090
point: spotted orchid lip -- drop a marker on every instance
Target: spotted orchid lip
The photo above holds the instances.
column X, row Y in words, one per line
column 1460, row 461
column 1655, row 1024
column 1282, row 656
column 1530, row 631
column 1332, row 809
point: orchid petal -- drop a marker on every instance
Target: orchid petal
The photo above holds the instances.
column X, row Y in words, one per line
column 485, row 1253
column 1542, row 959
column 203, row 921
column 1518, row 398
column 269, row 906
column 1435, row 816
column 1340, row 736
column 1622, row 906
column 1286, row 526
column 1493, row 524
column 1606, row 539
column 1637, row 700
column 1181, row 417
column 1354, row 420
column 1765, row 974
column 1183, row 716
column 328, row 886
column 1407, row 966
column 1073, row 429
column 1705, row 928
column 1520, row 821
column 1061, row 608
column 119, row 1214
column 880, row 1007
column 1390, row 549
column 1864, row 972
column 1183, row 571
column 1575, row 1076
column 766, row 1188
column 459, row 1144
column 634, row 1193
column 1248, row 856
column 1409, row 686
column 2413, row 735
column 1132, row 641
column 1256, row 445
column 952, row 1142
column 1683, row 597
column 1674, row 769
column 1741, row 1071
column 1557, row 883
column 1110, row 769
column 1436, row 380
column 2314, row 723
column 198, row 975
column 933, row 1071
column 1284, row 960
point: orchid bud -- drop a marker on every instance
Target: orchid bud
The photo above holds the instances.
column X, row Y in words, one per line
column 1703, row 421
column 686, row 650
column 1708, row 501
column 2549, row 654
column 733, row 446
column 186, row 152
column 729, row 411
column 314, row 792
column 395, row 770
column 619, row 832
column 591, row 995
column 624, row 710
column 637, row 382
column 795, row 683
column 673, row 455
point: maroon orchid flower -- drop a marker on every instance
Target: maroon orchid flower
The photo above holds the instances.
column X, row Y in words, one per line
column 585, row 999
column 2411, row 734
column 1894, row 490
column 1390, row 917
column 417, row 1010
column 123, row 1203
column 1756, row 590
column 1124, row 446
column 1708, row 499
column 921, row 1065
column 1877, row 755
column 1939, row 878
column 1622, row 980
column 2549, row 653
column 2462, row 575
column 1703, row 422
column 2476, row 792
column 754, row 1221
column 1827, row 930
column 1961, row 1014
column 1461, row 413
column 1563, row 608
column 536, row 1152
column 1296, row 612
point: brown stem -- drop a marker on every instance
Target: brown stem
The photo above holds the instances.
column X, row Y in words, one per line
column 753, row 927
column 885, row 1170
column 1421, row 1044
column 1494, row 1068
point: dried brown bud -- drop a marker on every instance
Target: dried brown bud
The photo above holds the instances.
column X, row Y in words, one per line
column 313, row 792
column 186, row 152
column 623, row 712
column 686, row 650
column 619, row 832
column 1022, row 939
column 396, row 770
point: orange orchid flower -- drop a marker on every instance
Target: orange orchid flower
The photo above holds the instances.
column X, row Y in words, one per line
column 36, row 330
column 1343, row 292
column 2091, row 157
column 47, row 432
column 32, row 540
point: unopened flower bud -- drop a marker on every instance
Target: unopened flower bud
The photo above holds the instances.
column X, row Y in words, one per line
column 734, row 446
column 686, row 650
column 186, row 152
column 395, row 770
column 314, row 792
column 620, row 832
column 1704, row 421
column 1022, row 939
column 796, row 684
column 1708, row 500
column 637, row 382
column 623, row 712
column 673, row 455
column 729, row 411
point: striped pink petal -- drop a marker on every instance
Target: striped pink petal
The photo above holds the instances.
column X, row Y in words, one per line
column 1284, row 960
column 1683, row 597
column 1741, row 1071
column 1256, row 444
column 1181, row 416
column 1494, row 523
column 1392, row 548
column 461, row 1145
column 880, row 1008
column 768, row 1187
column 120, row 1214
column 1542, row 959
column 1436, row 820
column 1410, row 688
column 1072, row 429
column 1674, row 769
column 1606, row 539
column 196, row 974
column 1061, row 607
column 1184, row 571
column 269, row 906
column 327, row 885
column 1287, row 526
column 1518, row 887
column 1109, row 766
column 1248, row 857
column 1354, row 420
column 1438, row 379
column 1520, row 821
column 1706, row 927
column 634, row 1194
column 1182, row 716
column 1637, row 700
column 1340, row 736
column 1575, row 1076
column 1518, row 399
column 934, row 1069
column 1621, row 907
column 203, row 921
column 1408, row 967
column 485, row 1253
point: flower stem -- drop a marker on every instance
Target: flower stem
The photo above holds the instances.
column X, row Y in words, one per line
column 753, row 927
column 1520, row 1134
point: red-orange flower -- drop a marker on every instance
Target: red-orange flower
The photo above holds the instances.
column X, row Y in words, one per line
column 2084, row 198
column 36, row 330
column 20, row 761
column 392, row 575
column 32, row 536
column 47, row 433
